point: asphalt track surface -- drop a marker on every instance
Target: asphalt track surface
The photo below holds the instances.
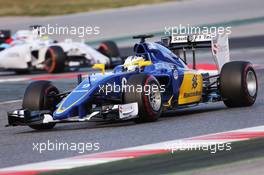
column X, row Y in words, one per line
column 16, row 143
column 147, row 19
column 246, row 157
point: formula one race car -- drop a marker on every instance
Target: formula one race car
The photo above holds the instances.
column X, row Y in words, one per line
column 148, row 84
column 26, row 51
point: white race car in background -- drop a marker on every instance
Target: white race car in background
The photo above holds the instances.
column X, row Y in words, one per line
column 26, row 51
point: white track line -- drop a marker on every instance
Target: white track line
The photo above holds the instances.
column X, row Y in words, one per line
column 132, row 152
column 13, row 80
column 11, row 101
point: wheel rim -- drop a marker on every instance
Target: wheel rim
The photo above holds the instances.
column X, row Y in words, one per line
column 155, row 99
column 251, row 83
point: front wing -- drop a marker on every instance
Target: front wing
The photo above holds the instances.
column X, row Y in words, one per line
column 26, row 117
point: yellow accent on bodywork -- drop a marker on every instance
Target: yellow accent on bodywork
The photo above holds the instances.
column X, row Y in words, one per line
column 191, row 88
column 139, row 63
column 45, row 37
column 60, row 110
column 144, row 63
column 169, row 102
column 100, row 66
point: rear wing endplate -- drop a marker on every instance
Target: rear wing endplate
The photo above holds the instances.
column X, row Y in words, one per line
column 218, row 44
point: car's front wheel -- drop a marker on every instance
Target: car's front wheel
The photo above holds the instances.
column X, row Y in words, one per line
column 147, row 94
column 40, row 95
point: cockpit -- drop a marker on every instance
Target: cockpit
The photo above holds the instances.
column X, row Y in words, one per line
column 141, row 50
column 151, row 52
column 155, row 52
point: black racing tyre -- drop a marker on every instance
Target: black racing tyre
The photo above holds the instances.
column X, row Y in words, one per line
column 55, row 60
column 22, row 71
column 2, row 48
column 4, row 35
column 109, row 49
column 238, row 84
column 40, row 95
column 149, row 100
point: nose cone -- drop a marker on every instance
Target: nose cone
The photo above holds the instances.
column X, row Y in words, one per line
column 14, row 58
column 74, row 99
column 78, row 98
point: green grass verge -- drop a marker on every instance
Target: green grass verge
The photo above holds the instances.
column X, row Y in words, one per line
column 189, row 162
column 60, row 7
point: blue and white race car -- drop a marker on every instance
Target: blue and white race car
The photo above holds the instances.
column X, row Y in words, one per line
column 151, row 82
column 26, row 50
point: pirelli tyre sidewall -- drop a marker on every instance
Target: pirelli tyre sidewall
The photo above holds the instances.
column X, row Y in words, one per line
column 149, row 110
column 238, row 84
column 55, row 60
column 40, row 95
column 109, row 49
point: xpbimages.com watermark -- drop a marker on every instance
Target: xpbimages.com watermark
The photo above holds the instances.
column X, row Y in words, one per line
column 77, row 31
column 199, row 146
column 80, row 147
column 116, row 88
column 202, row 30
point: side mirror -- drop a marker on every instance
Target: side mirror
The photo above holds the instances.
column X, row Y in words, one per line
column 79, row 78
column 100, row 66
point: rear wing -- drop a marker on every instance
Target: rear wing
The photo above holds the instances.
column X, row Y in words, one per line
column 218, row 44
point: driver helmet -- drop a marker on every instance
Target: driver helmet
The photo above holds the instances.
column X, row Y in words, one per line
column 131, row 63
column 25, row 35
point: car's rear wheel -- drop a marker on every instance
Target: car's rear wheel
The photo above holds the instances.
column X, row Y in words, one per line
column 55, row 60
column 149, row 99
column 40, row 95
column 109, row 49
column 4, row 35
column 238, row 84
